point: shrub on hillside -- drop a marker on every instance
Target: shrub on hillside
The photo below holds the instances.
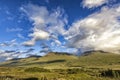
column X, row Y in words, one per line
column 111, row 73
column 36, row 69
column 74, row 71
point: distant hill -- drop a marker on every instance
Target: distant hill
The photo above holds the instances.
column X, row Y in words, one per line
column 58, row 60
column 52, row 59
column 36, row 56
column 58, row 53
column 93, row 52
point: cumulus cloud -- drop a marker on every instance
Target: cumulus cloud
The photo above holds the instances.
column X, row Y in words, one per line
column 93, row 3
column 98, row 31
column 47, row 24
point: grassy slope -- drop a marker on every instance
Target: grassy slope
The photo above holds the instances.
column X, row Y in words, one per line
column 98, row 59
column 52, row 60
column 90, row 65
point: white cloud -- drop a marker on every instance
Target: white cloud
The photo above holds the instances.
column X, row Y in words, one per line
column 11, row 54
column 11, row 43
column 93, row 3
column 7, row 55
column 47, row 24
column 20, row 36
column 39, row 34
column 29, row 43
column 98, row 31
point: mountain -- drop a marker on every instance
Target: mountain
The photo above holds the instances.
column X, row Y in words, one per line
column 52, row 59
column 62, row 60
column 93, row 52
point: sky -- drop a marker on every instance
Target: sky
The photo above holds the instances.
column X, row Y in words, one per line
column 37, row 27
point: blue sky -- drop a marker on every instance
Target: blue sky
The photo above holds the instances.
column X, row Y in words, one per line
column 36, row 27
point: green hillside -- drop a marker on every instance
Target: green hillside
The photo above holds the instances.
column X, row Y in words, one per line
column 100, row 60
column 51, row 60
column 56, row 60
column 94, row 65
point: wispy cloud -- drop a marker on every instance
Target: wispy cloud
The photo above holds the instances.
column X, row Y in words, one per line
column 14, row 29
column 93, row 3
column 9, row 43
column 45, row 49
column 20, row 36
column 47, row 24
column 7, row 55
column 11, row 54
column 29, row 50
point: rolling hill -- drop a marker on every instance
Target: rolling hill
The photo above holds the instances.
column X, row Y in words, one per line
column 57, row 60
column 92, row 65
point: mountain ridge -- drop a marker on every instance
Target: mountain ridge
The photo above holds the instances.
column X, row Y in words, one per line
column 58, row 60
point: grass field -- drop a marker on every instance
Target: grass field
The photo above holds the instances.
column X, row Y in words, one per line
column 94, row 66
